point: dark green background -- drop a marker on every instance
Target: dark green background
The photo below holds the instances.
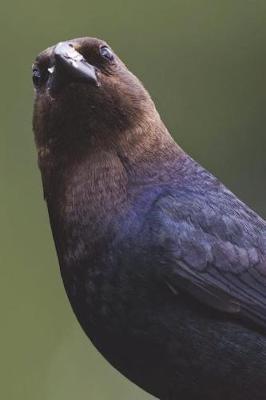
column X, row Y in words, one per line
column 204, row 63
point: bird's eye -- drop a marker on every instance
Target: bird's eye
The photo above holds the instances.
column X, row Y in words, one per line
column 106, row 53
column 38, row 77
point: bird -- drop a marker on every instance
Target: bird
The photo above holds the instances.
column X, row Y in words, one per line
column 164, row 267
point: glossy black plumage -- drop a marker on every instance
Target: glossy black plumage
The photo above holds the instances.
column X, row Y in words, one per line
column 164, row 267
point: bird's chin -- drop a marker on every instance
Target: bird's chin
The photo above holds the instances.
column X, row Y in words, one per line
column 70, row 91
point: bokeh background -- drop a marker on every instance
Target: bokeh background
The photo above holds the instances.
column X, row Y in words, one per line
column 204, row 62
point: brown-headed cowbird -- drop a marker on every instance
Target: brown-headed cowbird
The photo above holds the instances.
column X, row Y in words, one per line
column 164, row 267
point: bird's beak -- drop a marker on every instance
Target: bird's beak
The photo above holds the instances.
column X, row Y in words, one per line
column 69, row 65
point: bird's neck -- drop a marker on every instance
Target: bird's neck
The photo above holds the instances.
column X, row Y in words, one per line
column 93, row 186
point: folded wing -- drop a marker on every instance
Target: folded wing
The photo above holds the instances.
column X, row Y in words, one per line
column 214, row 247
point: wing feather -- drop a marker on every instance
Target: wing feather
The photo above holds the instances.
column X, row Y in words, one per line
column 214, row 248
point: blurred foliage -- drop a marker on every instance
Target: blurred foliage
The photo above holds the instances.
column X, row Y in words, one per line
column 204, row 63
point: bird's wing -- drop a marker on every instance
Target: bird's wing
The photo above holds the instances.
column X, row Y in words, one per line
column 214, row 247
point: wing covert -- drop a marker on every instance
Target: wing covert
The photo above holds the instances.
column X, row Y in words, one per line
column 215, row 250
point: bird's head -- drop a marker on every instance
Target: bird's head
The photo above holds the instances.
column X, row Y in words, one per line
column 84, row 92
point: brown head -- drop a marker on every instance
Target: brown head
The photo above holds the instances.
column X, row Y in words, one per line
column 84, row 91
column 85, row 95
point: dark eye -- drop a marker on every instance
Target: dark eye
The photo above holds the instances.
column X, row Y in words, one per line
column 38, row 77
column 106, row 53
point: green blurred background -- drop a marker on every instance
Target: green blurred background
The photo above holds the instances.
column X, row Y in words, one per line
column 204, row 63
